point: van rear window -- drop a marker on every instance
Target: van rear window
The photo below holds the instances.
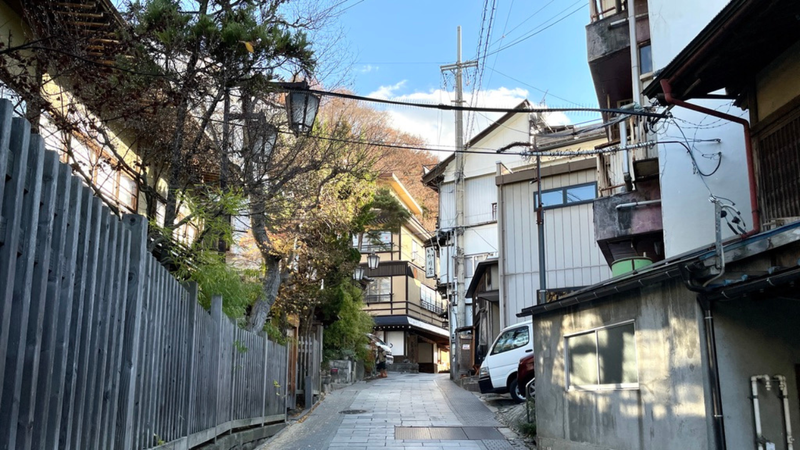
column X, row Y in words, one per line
column 511, row 339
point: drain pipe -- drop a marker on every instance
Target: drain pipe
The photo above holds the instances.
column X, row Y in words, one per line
column 760, row 441
column 748, row 146
column 626, row 164
column 713, row 370
column 638, row 203
column 784, row 394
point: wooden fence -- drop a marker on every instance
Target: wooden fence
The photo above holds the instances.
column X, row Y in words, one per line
column 101, row 348
column 309, row 366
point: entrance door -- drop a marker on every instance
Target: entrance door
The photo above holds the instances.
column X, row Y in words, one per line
column 425, row 360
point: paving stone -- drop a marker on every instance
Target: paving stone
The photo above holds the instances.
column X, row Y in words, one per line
column 405, row 411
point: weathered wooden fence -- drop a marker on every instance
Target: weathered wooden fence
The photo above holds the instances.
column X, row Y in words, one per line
column 100, row 347
column 309, row 366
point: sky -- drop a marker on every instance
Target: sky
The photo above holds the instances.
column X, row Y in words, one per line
column 536, row 50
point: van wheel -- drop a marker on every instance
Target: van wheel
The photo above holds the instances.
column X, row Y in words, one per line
column 514, row 392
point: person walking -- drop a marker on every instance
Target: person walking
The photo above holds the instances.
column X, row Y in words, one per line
column 381, row 366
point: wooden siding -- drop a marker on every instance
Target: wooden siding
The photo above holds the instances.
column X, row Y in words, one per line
column 573, row 257
column 101, row 347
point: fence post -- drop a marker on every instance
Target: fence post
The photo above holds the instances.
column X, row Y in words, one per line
column 16, row 156
column 266, row 380
column 216, row 314
column 192, row 334
column 137, row 225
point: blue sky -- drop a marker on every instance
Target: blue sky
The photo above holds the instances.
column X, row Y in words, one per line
column 398, row 47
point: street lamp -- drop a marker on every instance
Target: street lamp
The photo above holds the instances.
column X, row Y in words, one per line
column 358, row 273
column 301, row 106
column 373, row 260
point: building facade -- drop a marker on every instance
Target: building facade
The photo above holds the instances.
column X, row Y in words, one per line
column 698, row 350
column 477, row 239
column 409, row 313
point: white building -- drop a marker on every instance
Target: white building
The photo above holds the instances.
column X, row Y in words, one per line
column 571, row 255
column 479, row 238
column 698, row 157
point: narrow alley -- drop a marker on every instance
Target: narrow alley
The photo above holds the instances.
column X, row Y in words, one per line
column 410, row 411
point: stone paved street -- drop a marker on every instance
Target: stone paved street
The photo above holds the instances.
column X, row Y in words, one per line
column 408, row 411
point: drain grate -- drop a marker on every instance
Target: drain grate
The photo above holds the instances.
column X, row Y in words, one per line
column 446, row 433
column 353, row 411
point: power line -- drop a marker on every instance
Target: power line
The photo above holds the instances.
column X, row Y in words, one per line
column 485, row 109
column 534, row 33
column 521, row 23
column 533, row 87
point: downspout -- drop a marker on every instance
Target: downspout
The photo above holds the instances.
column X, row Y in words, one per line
column 756, row 408
column 713, row 370
column 501, row 254
column 540, row 228
column 748, row 146
column 626, row 159
column 636, row 89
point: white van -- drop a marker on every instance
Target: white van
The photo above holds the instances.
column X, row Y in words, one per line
column 499, row 370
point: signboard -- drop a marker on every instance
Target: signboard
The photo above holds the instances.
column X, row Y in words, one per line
column 430, row 262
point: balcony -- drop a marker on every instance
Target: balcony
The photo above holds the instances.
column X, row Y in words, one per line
column 432, row 307
column 629, row 225
column 608, row 48
column 414, row 310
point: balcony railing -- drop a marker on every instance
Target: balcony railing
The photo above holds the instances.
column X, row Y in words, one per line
column 378, row 298
column 432, row 307
column 369, row 248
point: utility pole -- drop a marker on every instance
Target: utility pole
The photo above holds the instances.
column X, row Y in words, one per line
column 458, row 318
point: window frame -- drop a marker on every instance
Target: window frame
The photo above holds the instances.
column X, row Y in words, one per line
column 564, row 189
column 367, row 246
column 642, row 74
column 374, row 294
column 569, row 387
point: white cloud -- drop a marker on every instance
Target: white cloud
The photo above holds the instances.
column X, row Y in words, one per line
column 369, row 68
column 437, row 127
column 387, row 92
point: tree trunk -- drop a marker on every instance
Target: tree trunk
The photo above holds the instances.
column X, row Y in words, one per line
column 269, row 292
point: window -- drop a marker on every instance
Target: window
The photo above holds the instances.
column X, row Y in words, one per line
column 511, row 339
column 127, row 192
column 604, row 358
column 471, row 263
column 494, row 212
column 379, row 290
column 430, row 300
column 378, row 241
column 416, row 254
column 645, row 59
column 566, row 196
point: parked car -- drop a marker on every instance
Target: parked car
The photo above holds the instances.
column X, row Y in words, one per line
column 387, row 349
column 525, row 372
column 498, row 371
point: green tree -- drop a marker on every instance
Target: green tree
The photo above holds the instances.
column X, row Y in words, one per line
column 346, row 336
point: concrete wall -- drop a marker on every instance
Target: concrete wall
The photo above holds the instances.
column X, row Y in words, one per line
column 685, row 205
column 757, row 337
column 666, row 411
